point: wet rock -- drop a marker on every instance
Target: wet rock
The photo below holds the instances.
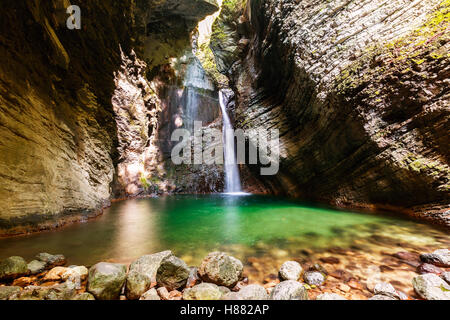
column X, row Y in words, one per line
column 7, row 291
column 381, row 297
column 320, row 268
column 193, row 278
column 330, row 296
column 431, row 287
column 290, row 270
column 75, row 275
column 429, row 268
column 289, row 290
column 386, row 289
column 172, row 273
column 330, row 260
column 13, row 267
column 151, row 294
column 163, row 293
column 440, row 258
column 105, row 280
column 22, row 282
column 314, row 278
column 221, row 269
column 252, row 292
column 203, row 291
column 64, row 291
column 84, row 296
column 446, row 276
column 36, row 267
column 55, row 274
column 142, row 274
column 51, row 260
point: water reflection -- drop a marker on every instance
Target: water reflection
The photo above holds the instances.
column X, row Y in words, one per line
column 246, row 226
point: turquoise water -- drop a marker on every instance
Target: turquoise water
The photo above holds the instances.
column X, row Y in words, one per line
column 192, row 226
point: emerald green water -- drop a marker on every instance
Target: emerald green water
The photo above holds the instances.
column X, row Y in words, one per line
column 192, row 226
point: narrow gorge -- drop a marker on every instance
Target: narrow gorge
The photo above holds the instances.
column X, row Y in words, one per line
column 288, row 140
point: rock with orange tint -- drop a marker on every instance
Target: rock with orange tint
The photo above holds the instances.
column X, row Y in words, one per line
column 330, row 296
column 55, row 274
column 22, row 282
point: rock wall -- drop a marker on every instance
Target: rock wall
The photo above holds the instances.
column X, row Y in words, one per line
column 358, row 90
column 63, row 94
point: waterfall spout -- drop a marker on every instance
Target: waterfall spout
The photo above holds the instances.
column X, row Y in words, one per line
column 232, row 179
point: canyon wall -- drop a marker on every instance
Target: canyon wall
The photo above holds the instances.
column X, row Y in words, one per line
column 359, row 91
column 78, row 104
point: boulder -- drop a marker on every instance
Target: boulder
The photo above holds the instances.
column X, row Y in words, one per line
column 172, row 273
column 203, row 291
column 51, row 260
column 330, row 296
column 385, row 289
column 290, row 270
column 36, row 267
column 7, row 291
column 142, row 274
column 151, row 294
column 13, row 267
column 314, row 278
column 289, row 290
column 221, row 269
column 105, row 280
column 75, row 275
column 440, row 258
column 55, row 274
column 62, row 291
column 431, row 287
column 252, row 292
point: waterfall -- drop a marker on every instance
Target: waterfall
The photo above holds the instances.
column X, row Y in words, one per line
column 232, row 179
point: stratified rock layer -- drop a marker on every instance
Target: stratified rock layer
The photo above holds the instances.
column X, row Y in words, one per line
column 359, row 92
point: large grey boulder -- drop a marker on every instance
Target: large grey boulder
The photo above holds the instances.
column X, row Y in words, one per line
column 203, row 291
column 250, row 292
column 330, row 296
column 289, row 290
column 13, row 267
column 431, row 287
column 7, row 291
column 221, row 269
column 142, row 274
column 172, row 273
column 290, row 270
column 51, row 260
column 36, row 266
column 440, row 258
column 106, row 280
column 314, row 278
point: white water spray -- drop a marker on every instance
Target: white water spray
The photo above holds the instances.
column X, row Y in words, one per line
column 232, row 179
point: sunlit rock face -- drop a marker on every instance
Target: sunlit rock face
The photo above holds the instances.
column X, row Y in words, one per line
column 359, row 92
column 65, row 121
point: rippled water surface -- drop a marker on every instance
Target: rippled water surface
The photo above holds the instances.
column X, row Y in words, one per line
column 249, row 227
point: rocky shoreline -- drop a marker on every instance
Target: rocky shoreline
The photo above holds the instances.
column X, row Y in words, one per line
column 163, row 276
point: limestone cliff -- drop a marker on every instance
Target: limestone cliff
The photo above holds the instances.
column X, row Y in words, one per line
column 63, row 95
column 359, row 91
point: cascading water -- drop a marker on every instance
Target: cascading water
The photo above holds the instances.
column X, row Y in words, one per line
column 232, row 179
